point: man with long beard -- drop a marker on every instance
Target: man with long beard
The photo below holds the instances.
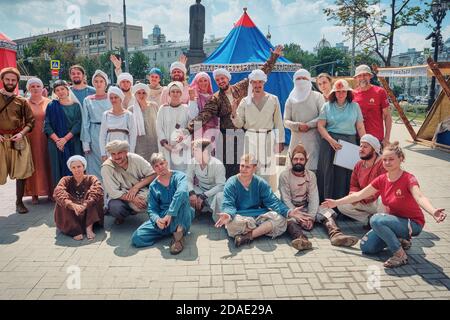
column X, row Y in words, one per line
column 223, row 105
column 178, row 73
column 16, row 120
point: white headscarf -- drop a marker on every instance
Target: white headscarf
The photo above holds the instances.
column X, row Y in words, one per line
column 101, row 74
column 137, row 112
column 33, row 81
column 302, row 88
column 370, row 139
column 117, row 92
column 255, row 75
column 179, row 66
column 124, row 76
column 77, row 158
column 221, row 72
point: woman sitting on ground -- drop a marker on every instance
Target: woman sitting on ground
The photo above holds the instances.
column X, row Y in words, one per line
column 403, row 218
column 79, row 201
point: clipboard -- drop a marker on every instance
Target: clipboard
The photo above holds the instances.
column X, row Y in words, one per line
column 348, row 156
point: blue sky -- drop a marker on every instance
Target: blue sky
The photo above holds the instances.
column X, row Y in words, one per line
column 299, row 21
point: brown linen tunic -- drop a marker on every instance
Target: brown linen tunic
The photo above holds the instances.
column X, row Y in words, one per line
column 13, row 118
column 89, row 193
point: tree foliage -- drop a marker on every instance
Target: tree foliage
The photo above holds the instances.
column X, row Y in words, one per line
column 376, row 23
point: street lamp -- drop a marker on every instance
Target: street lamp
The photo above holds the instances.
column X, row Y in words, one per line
column 127, row 69
column 439, row 10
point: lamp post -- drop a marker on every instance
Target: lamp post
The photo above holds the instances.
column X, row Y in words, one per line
column 439, row 10
column 127, row 68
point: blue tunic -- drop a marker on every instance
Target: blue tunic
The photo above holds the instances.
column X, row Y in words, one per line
column 92, row 113
column 172, row 200
column 83, row 93
column 258, row 199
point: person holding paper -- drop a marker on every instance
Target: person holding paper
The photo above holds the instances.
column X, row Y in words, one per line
column 402, row 217
column 298, row 189
column 342, row 119
column 366, row 170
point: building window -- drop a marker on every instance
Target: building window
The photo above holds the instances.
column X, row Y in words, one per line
column 168, row 54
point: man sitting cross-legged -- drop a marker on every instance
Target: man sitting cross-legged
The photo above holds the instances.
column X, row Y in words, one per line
column 168, row 208
column 250, row 209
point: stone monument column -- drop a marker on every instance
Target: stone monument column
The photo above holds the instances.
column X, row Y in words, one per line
column 196, row 33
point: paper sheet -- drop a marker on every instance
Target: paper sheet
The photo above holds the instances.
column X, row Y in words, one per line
column 348, row 156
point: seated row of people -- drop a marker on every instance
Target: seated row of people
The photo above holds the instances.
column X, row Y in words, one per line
column 247, row 207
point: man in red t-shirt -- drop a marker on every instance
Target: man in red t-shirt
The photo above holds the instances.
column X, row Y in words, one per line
column 374, row 105
column 366, row 170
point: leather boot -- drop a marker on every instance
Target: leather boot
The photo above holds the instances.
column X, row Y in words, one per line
column 299, row 240
column 337, row 238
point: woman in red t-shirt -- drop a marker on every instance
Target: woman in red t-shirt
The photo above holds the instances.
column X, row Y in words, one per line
column 403, row 217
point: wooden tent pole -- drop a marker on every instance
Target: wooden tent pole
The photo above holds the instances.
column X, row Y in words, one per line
column 434, row 66
column 402, row 115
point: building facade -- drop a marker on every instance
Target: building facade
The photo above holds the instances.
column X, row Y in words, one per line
column 90, row 40
column 164, row 54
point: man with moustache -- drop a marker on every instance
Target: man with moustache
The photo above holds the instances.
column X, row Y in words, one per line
column 298, row 189
column 260, row 115
column 366, row 170
column 125, row 83
column 178, row 73
column 16, row 120
column 374, row 104
column 126, row 177
column 79, row 87
column 223, row 105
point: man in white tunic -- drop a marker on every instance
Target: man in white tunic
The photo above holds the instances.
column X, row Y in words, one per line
column 260, row 115
column 301, row 115
column 125, row 83
column 126, row 177
column 206, row 179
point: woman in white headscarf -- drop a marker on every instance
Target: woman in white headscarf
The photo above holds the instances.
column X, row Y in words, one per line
column 40, row 183
column 144, row 114
column 117, row 123
column 92, row 111
column 79, row 201
column 301, row 115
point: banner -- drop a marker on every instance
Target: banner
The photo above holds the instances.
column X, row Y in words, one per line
column 405, row 72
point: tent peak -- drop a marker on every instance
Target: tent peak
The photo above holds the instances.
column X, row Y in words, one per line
column 245, row 21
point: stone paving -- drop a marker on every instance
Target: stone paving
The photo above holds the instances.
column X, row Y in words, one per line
column 37, row 263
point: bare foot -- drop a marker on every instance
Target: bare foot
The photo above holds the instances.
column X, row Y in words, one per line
column 35, row 200
column 90, row 234
column 78, row 237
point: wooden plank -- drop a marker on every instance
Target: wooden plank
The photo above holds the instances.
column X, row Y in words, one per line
column 435, row 68
column 402, row 115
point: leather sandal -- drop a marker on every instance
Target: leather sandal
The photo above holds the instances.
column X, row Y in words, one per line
column 395, row 262
column 176, row 247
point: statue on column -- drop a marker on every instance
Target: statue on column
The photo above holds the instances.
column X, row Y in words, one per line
column 196, row 33
column 197, row 25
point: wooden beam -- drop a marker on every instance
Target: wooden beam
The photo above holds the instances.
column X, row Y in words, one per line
column 402, row 115
column 435, row 68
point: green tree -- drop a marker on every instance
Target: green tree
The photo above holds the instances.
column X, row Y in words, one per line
column 36, row 59
column 139, row 64
column 294, row 53
column 374, row 24
column 333, row 61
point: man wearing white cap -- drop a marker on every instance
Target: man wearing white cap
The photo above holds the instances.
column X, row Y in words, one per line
column 223, row 104
column 178, row 73
column 366, row 170
column 260, row 115
column 301, row 115
column 374, row 104
column 125, row 83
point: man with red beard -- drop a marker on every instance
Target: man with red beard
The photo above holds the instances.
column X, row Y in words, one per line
column 223, row 105
column 16, row 120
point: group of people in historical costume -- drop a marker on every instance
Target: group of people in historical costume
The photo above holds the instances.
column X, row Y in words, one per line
column 181, row 151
